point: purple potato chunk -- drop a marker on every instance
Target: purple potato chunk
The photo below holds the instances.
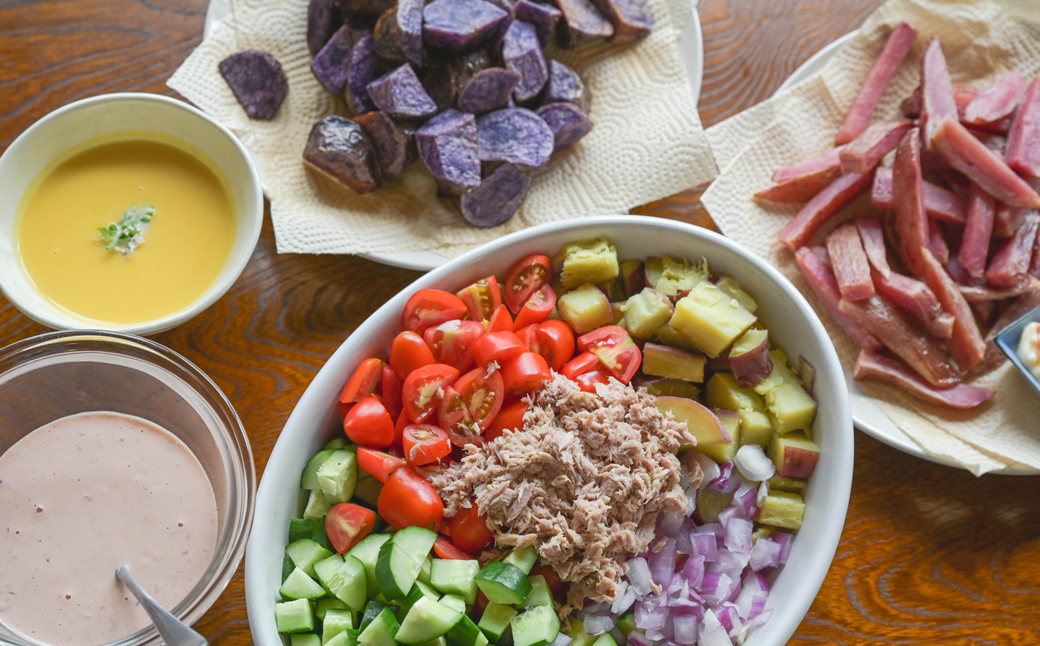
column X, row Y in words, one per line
column 497, row 198
column 461, row 25
column 365, row 66
column 565, row 84
column 340, row 149
column 387, row 37
column 447, row 145
column 567, row 122
column 401, row 95
column 441, row 84
column 582, row 22
column 257, row 81
column 323, row 19
column 488, row 90
column 514, row 135
column 364, row 8
column 330, row 65
column 391, row 143
column 398, row 33
column 543, row 17
column 631, row 19
column 522, row 53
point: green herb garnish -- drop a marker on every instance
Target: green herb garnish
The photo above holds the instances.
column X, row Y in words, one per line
column 126, row 236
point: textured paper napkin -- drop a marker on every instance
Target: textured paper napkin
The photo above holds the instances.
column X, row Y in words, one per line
column 647, row 141
column 980, row 40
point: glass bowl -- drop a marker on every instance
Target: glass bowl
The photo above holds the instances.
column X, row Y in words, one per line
column 54, row 375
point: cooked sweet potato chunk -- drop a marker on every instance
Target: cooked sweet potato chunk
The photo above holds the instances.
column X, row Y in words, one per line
column 461, row 25
column 257, row 80
column 522, row 53
column 514, row 135
column 341, row 150
column 497, row 198
column 447, row 145
column 488, row 90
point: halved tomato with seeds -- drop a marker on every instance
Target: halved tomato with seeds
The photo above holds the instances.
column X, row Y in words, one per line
column 525, row 278
column 482, row 394
column 482, row 298
column 425, row 443
column 615, row 349
column 363, row 382
column 429, row 307
column 452, row 342
column 346, row 524
column 537, row 308
column 424, row 388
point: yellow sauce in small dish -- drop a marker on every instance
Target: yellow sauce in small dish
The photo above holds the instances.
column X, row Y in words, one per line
column 180, row 253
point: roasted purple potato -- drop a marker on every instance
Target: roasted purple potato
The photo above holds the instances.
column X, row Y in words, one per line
column 323, row 19
column 565, row 84
column 447, row 145
column 461, row 25
column 364, row 67
column 340, row 149
column 331, row 64
column 522, row 53
column 543, row 17
column 631, row 19
column 364, row 8
column 582, row 22
column 514, row 135
column 488, row 90
column 257, row 81
column 567, row 122
column 391, row 142
column 497, row 198
column 400, row 94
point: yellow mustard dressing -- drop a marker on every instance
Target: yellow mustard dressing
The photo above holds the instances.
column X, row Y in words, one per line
column 187, row 243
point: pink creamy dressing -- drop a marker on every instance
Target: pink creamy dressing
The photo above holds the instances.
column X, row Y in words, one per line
column 83, row 495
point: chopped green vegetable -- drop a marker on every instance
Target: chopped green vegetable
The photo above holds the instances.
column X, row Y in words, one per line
column 126, row 236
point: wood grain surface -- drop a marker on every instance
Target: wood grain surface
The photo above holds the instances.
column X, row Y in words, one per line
column 929, row 554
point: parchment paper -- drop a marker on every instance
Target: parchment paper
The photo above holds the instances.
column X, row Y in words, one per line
column 980, row 39
column 647, row 141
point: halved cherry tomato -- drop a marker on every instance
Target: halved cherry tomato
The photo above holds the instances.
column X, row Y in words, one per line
column 587, row 380
column 525, row 373
column 455, row 418
column 408, row 500
column 482, row 394
column 429, row 307
column 378, row 464
column 409, row 352
column 346, row 524
column 452, row 342
column 525, row 278
column 554, row 340
column 362, row 383
column 469, row 531
column 500, row 321
column 498, row 347
column 424, row 388
column 482, row 298
column 615, row 349
column 537, row 308
column 579, row 365
column 402, row 421
column 511, row 417
column 425, row 443
column 445, row 549
column 368, row 424
column 392, row 392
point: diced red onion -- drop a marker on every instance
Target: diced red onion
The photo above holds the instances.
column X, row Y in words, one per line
column 784, row 540
column 682, row 540
column 728, row 479
column 705, row 544
column 733, row 511
column 654, row 635
column 713, row 633
column 639, row 576
column 728, row 562
column 708, row 466
column 599, row 624
column 636, row 638
column 687, row 626
column 691, row 500
column 561, row 640
column 662, row 563
column 624, row 600
column 763, row 491
column 651, row 613
column 668, row 524
column 760, row 620
column 765, row 553
column 694, row 570
column 753, row 463
column 746, row 500
column 716, row 587
column 738, row 536
column 727, row 616
column 750, row 602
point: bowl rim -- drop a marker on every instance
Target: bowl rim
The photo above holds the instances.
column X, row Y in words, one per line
column 811, row 578
column 233, row 268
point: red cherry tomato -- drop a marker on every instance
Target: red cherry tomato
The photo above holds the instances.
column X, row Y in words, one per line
column 408, row 500
column 378, row 464
column 455, row 418
column 525, row 278
column 554, row 340
column 346, row 524
column 368, row 424
column 402, row 421
column 482, row 298
column 587, row 380
column 537, row 308
column 469, row 531
column 445, row 549
column 392, row 392
column 482, row 395
column 362, row 383
column 452, row 342
column 425, row 443
column 525, row 373
column 615, row 349
column 408, row 353
column 579, row 365
column 498, row 347
column 424, row 388
column 500, row 321
column 429, row 307
column 511, row 417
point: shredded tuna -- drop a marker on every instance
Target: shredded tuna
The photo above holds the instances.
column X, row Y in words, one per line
column 582, row 482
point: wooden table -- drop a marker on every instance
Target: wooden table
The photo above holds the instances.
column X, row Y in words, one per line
column 929, row 553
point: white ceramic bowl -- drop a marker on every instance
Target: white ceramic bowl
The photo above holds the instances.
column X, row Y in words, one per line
column 791, row 322
column 83, row 121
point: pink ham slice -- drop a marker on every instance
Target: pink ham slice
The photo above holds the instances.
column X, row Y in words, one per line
column 911, row 221
column 801, row 181
column 1023, row 148
column 978, row 231
column 1028, row 284
column 822, row 281
column 881, row 72
column 966, row 343
column 867, row 150
column 1011, row 263
column 821, row 207
column 996, row 102
column 849, row 263
column 937, row 102
column 939, row 203
column 963, row 95
column 874, row 367
column 937, row 243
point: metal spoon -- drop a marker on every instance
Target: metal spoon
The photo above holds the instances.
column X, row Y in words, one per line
column 173, row 631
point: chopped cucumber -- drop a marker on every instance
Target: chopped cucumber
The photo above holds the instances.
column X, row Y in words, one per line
column 335, row 622
column 455, row 577
column 301, row 528
column 367, row 490
column 440, row 641
column 536, row 627
column 348, row 637
column 540, row 594
column 305, row 553
column 503, row 583
column 287, row 567
column 305, row 639
column 367, row 551
column 294, row 616
column 324, row 605
column 424, row 571
column 301, row 586
column 372, row 610
column 317, row 505
column 495, row 620
column 627, row 623
column 523, row 558
column 381, row 631
column 606, row 639
column 344, row 577
column 340, row 443
column 454, row 601
column 401, row 560
column 338, row 476
column 578, row 635
column 418, row 591
column 309, row 480
column 321, row 537
column 465, row 633
column 427, row 620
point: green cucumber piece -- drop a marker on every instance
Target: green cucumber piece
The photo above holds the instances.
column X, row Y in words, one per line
column 424, row 571
column 368, row 489
column 455, row 577
column 317, row 505
column 540, row 594
column 335, row 622
column 418, row 590
column 578, row 635
column 340, row 443
column 338, row 476
column 454, row 601
column 301, row 528
column 427, row 620
column 440, row 641
column 321, row 537
column 416, row 542
column 606, row 639
column 381, row 631
column 304, row 639
column 344, row 577
column 465, row 633
column 294, row 616
column 305, row 553
column 627, row 623
column 503, row 583
column 372, row 610
column 536, row 627
column 523, row 558
column 367, row 551
column 287, row 567
column 401, row 560
column 309, row 479
column 301, row 586
column 495, row 620
column 322, row 606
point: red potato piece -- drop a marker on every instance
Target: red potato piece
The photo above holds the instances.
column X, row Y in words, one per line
column 323, row 19
column 447, row 145
column 543, row 17
column 401, row 95
column 916, row 299
column 920, row 351
column 939, row 203
column 974, row 294
column 1010, row 264
column 257, row 80
column 631, row 19
column 911, row 221
column 497, row 198
column 582, row 22
column 981, row 165
column 340, row 149
column 978, row 230
column 821, row 207
column 461, row 25
column 874, row 367
column 997, row 101
column 821, row 280
column 966, row 343
column 849, row 263
column 866, row 151
column 880, row 75
column 1023, row 148
column 522, row 53
column 937, row 102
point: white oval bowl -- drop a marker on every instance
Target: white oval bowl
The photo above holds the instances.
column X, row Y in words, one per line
column 791, row 322
column 83, row 121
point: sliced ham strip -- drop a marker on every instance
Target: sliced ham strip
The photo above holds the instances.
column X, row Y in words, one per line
column 911, row 221
column 978, row 231
column 996, row 102
column 1023, row 148
column 880, row 75
column 966, row 343
column 821, row 207
column 874, row 367
column 849, row 263
column 1012, row 261
column 937, row 102
column 937, row 243
column 974, row 294
column 822, row 281
column 801, row 181
column 963, row 95
column 1007, row 219
column 939, row 203
column 867, row 150
column 916, row 299
column 828, row 161
column 873, row 237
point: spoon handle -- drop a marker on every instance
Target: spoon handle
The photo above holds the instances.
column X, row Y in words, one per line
column 173, row 631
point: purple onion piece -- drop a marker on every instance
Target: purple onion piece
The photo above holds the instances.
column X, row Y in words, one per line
column 639, row 576
column 662, row 563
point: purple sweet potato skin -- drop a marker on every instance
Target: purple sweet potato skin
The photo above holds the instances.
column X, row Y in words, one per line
column 567, row 122
column 323, row 19
column 400, row 94
column 365, row 66
column 341, row 150
column 565, row 84
column 387, row 35
column 488, row 90
column 522, row 53
column 582, row 22
column 497, row 198
column 398, row 33
column 447, row 145
column 364, row 8
column 390, row 142
column 441, row 84
column 631, row 19
column 461, row 25
column 514, row 135
column 331, row 63
column 543, row 17
column 257, row 80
